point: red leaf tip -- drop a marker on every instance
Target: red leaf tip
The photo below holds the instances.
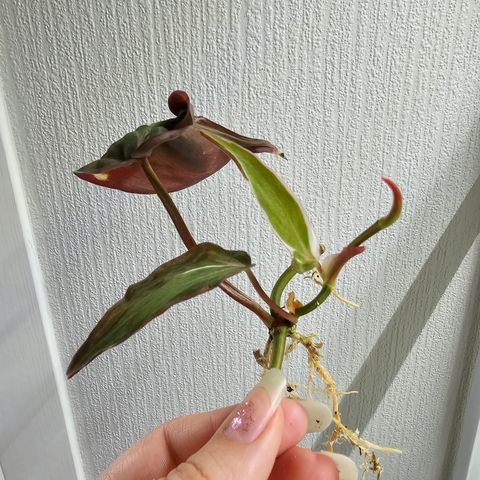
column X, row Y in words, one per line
column 397, row 202
column 178, row 102
column 393, row 186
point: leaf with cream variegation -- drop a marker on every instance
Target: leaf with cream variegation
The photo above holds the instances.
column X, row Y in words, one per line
column 282, row 208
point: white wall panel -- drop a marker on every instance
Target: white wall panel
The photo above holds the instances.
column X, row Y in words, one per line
column 34, row 432
column 351, row 90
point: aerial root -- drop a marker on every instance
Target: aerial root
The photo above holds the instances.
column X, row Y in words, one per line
column 367, row 449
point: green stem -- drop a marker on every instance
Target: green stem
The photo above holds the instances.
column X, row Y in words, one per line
column 169, row 205
column 281, row 284
column 280, row 332
column 278, row 346
column 316, row 302
column 369, row 232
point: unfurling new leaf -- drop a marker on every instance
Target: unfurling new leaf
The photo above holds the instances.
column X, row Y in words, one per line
column 383, row 222
column 196, row 271
column 282, row 208
column 330, row 266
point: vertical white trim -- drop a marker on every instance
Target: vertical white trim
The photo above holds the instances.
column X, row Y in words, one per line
column 41, row 296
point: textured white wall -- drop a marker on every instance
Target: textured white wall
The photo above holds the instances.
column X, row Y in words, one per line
column 351, row 90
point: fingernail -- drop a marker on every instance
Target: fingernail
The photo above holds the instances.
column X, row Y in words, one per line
column 347, row 470
column 252, row 415
column 318, row 414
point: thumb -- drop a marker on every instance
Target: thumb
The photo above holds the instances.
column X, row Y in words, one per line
column 247, row 443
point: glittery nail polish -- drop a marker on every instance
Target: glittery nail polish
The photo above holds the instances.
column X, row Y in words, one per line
column 250, row 417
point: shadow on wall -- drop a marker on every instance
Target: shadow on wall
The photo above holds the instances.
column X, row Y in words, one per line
column 412, row 314
column 458, row 395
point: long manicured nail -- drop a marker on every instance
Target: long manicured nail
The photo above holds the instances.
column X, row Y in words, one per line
column 250, row 418
column 347, row 470
column 318, row 414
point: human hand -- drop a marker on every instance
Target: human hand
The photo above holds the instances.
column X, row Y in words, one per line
column 255, row 440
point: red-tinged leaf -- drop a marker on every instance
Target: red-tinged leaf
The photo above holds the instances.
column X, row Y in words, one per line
column 178, row 153
column 332, row 264
column 200, row 269
column 385, row 221
column 254, row 145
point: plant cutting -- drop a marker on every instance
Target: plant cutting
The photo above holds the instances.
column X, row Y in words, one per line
column 175, row 154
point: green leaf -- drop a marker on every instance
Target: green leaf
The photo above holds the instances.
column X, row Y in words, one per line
column 282, row 208
column 200, row 269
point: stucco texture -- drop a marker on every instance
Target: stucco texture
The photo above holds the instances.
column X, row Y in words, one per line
column 352, row 90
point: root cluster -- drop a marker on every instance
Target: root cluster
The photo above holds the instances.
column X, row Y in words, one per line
column 341, row 432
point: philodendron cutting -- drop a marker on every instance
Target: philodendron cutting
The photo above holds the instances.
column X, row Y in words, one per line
column 175, row 154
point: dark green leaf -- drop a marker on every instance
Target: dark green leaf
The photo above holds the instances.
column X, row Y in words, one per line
column 196, row 271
